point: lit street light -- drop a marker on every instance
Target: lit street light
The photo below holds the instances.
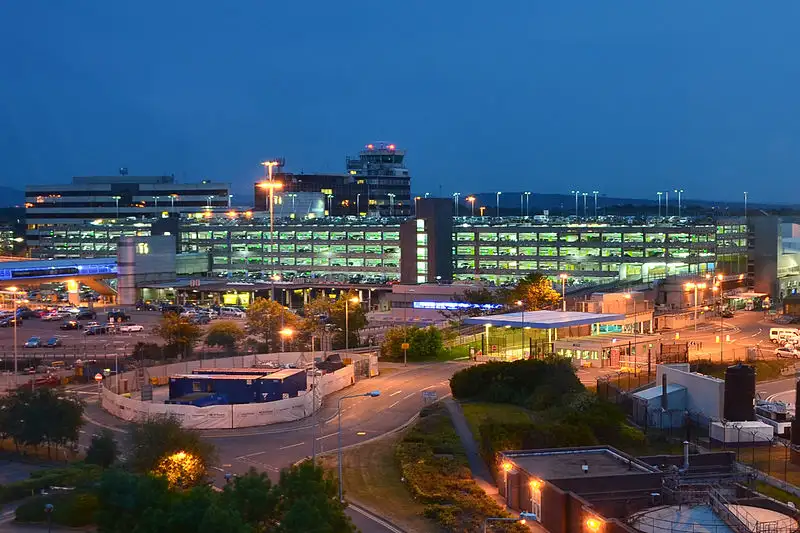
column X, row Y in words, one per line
column 521, row 305
column 595, row 193
column 391, row 203
column 455, row 201
column 576, row 193
column 695, row 286
column 172, row 198
column 471, row 200
column 14, row 292
column 118, row 198
column 660, row 194
column 585, row 194
column 679, row 191
column 666, row 204
column 745, row 203
column 371, row 394
column 563, row 291
column 498, row 203
column 629, row 296
column 527, row 203
column 523, row 516
column 353, row 300
column 285, row 333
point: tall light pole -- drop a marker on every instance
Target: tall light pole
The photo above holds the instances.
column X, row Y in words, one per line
column 666, row 204
column 118, row 198
column 455, row 201
column 155, row 199
column 629, row 296
column 14, row 291
column 745, row 203
column 330, row 205
column 285, row 333
column 208, row 201
column 471, row 200
column 527, row 203
column 497, row 197
column 521, row 305
column 371, row 394
column 585, row 194
column 522, row 204
column 172, row 198
column 595, row 193
column 230, row 200
column 563, row 291
column 576, row 193
column 695, row 286
column 659, row 193
column 358, row 204
column 391, row 203
column 271, row 186
column 679, row 191
column 353, row 300
column 718, row 288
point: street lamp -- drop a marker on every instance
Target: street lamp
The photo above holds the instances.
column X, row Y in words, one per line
column 659, row 193
column 679, row 191
column 172, row 198
column 371, row 394
column 117, row 199
column 594, row 525
column 208, row 201
column 358, row 204
column 595, row 193
column 271, row 186
column 563, row 291
column 330, row 205
column 716, row 288
column 455, row 201
column 497, row 197
column 353, row 300
column 745, row 203
column 585, row 194
column 527, row 203
column 14, row 291
column 391, row 203
column 285, row 333
column 695, row 286
column 156, row 201
column 471, row 200
column 666, row 204
column 521, row 304
column 576, row 193
column 629, row 296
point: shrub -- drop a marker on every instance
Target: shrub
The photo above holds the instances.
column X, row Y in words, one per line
column 75, row 476
column 74, row 509
column 424, row 343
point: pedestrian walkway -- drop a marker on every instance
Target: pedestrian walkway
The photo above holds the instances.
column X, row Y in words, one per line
column 480, row 472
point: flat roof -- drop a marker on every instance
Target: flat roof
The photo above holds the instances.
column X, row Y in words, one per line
column 654, row 392
column 609, row 338
column 564, row 463
column 544, row 319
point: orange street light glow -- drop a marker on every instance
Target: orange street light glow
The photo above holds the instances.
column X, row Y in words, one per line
column 506, row 466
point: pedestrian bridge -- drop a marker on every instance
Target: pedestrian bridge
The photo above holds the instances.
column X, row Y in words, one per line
column 34, row 271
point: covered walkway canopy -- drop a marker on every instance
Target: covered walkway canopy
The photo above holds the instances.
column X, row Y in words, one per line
column 544, row 319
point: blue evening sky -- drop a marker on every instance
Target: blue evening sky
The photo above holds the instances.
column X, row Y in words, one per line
column 627, row 97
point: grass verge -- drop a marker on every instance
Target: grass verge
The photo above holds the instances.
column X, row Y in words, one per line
column 371, row 476
column 765, row 370
column 776, row 493
column 479, row 412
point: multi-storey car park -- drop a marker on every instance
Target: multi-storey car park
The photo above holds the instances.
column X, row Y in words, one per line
column 368, row 250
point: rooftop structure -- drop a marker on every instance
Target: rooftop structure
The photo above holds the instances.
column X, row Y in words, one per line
column 381, row 167
column 544, row 319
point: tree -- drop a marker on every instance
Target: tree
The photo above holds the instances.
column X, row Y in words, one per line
column 309, row 503
column 255, row 499
column 159, row 439
column 131, row 503
column 267, row 317
column 179, row 334
column 343, row 314
column 102, row 450
column 225, row 334
column 41, row 416
column 535, row 291
column 424, row 343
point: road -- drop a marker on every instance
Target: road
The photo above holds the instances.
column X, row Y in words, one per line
column 269, row 449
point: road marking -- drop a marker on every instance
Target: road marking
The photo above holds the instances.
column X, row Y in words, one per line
column 395, row 403
column 326, row 436
column 394, row 393
column 370, row 516
column 407, row 396
column 291, row 446
column 216, row 468
column 249, row 455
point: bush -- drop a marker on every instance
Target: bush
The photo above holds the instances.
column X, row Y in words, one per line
column 102, row 450
column 75, row 476
column 74, row 509
column 424, row 343
column 529, row 383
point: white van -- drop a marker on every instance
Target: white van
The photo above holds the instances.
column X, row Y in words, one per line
column 231, row 312
column 775, row 334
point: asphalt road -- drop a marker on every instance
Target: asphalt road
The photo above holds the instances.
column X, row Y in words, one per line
column 272, row 448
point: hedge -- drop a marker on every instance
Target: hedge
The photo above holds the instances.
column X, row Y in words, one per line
column 74, row 509
column 73, row 476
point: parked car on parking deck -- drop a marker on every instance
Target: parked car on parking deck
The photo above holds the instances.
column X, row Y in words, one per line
column 33, row 342
column 54, row 342
column 71, row 324
column 131, row 328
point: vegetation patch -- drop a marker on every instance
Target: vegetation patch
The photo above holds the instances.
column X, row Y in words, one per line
column 435, row 468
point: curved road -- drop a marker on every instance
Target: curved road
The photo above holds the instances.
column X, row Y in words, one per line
column 272, row 448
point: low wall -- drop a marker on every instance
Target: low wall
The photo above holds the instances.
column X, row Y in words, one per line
column 227, row 416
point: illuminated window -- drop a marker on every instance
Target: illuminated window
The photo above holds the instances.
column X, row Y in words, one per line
column 142, row 248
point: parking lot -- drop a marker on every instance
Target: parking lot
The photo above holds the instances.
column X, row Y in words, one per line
column 75, row 343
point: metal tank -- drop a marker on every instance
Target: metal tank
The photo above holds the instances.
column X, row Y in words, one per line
column 740, row 393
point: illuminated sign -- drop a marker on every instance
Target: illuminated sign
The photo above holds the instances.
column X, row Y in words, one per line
column 452, row 306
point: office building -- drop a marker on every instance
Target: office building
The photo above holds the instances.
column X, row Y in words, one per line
column 90, row 198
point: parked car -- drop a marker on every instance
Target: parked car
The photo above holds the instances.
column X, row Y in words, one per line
column 10, row 322
column 726, row 313
column 131, row 328
column 71, row 324
column 118, row 316
column 33, row 342
column 86, row 314
column 96, row 330
column 786, row 352
column 54, row 342
column 200, row 318
column 26, row 312
column 51, row 316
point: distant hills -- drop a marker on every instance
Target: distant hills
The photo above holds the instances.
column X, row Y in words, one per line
column 10, row 197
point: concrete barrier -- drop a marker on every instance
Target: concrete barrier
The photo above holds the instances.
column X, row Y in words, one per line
column 227, row 416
